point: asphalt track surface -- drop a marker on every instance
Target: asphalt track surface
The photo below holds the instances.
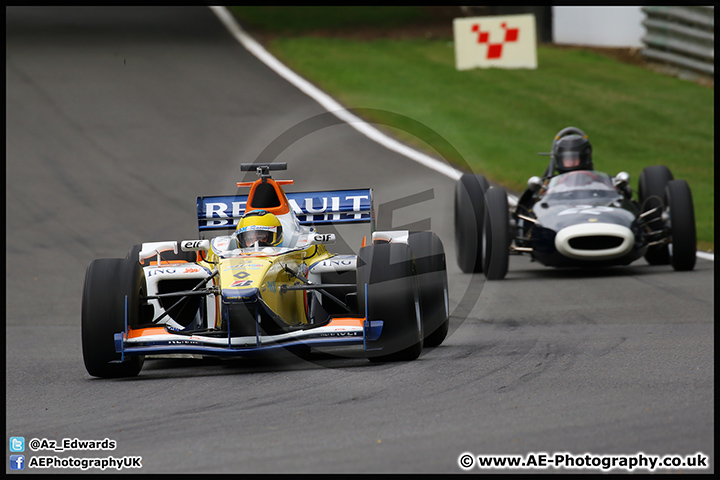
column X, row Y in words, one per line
column 117, row 118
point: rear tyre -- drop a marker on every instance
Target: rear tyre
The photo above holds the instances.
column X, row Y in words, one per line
column 469, row 219
column 427, row 249
column 388, row 271
column 682, row 225
column 107, row 282
column 651, row 191
column 495, row 244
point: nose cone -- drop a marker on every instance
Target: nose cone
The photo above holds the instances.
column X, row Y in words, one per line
column 594, row 241
column 240, row 295
column 241, row 279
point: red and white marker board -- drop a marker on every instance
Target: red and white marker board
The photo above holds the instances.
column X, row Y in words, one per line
column 504, row 41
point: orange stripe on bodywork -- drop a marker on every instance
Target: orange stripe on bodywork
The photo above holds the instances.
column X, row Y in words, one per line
column 163, row 262
column 335, row 322
column 346, row 322
column 142, row 332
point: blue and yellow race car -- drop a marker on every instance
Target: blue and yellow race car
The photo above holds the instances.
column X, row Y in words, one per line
column 267, row 282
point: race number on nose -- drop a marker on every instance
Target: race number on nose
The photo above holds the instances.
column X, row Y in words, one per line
column 505, row 41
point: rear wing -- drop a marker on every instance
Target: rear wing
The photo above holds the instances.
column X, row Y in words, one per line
column 310, row 208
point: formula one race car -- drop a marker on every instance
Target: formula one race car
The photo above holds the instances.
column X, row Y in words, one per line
column 575, row 216
column 269, row 284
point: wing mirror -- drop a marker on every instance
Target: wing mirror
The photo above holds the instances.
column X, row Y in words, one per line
column 621, row 182
column 534, row 183
column 195, row 245
column 621, row 179
column 321, row 239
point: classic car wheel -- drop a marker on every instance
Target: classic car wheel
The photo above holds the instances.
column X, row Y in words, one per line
column 388, row 271
column 682, row 225
column 427, row 249
column 651, row 192
column 495, row 249
column 107, row 281
column 469, row 214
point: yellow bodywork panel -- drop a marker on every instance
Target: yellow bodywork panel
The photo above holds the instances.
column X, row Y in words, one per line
column 268, row 273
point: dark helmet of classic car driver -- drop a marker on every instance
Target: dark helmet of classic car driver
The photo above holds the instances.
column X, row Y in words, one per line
column 261, row 227
column 572, row 152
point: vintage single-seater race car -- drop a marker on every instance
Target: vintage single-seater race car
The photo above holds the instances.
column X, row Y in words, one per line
column 575, row 216
column 234, row 294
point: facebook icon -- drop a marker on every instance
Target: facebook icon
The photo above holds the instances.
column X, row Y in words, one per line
column 17, row 462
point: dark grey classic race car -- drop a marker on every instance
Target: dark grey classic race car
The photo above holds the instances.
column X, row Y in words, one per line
column 575, row 216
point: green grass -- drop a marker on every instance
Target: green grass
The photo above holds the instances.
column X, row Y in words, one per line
column 498, row 120
column 297, row 20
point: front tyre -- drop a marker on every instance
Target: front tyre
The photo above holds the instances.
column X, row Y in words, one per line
column 469, row 218
column 107, row 281
column 388, row 272
column 651, row 192
column 682, row 225
column 495, row 245
column 429, row 254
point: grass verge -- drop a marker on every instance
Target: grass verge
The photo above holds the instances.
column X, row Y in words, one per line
column 498, row 120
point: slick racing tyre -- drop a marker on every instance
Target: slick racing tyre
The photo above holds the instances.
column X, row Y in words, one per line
column 107, row 282
column 388, row 272
column 651, row 192
column 427, row 249
column 495, row 243
column 469, row 219
column 682, row 225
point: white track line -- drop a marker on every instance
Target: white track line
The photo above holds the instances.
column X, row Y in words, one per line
column 706, row 256
column 338, row 110
column 326, row 101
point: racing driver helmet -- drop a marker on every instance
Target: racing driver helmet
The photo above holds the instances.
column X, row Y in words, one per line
column 258, row 226
column 572, row 152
